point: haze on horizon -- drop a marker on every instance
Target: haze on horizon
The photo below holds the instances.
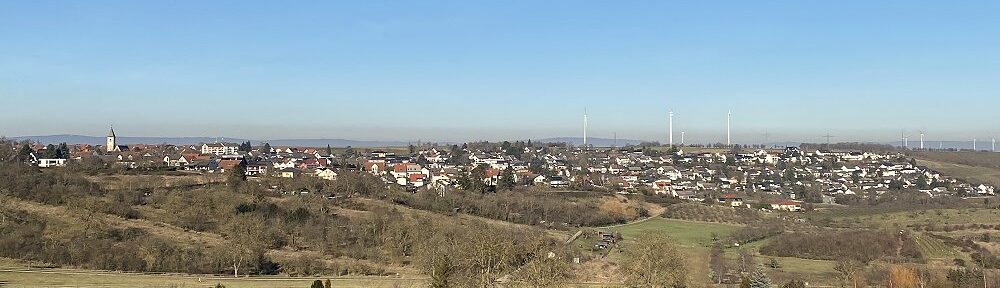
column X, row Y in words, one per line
column 461, row 71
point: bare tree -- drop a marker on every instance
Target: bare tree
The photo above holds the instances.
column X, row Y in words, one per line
column 247, row 241
column 653, row 261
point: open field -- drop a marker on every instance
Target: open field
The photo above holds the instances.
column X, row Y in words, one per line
column 976, row 159
column 695, row 238
column 981, row 170
column 815, row 272
column 868, row 218
column 934, row 249
column 685, row 233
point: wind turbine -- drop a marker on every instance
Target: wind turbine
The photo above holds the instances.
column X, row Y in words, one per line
column 585, row 128
column 921, row 139
column 902, row 139
column 729, row 120
column 671, row 129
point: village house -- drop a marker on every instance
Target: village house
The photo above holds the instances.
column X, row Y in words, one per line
column 219, row 148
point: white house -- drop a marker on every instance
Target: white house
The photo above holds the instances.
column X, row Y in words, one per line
column 45, row 163
column 219, row 148
column 326, row 174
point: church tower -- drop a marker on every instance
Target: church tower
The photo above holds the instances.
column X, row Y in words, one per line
column 112, row 144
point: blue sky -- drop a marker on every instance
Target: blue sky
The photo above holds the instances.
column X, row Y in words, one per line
column 469, row 70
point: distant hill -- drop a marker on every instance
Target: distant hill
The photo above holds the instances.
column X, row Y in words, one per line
column 92, row 140
column 600, row 142
column 332, row 142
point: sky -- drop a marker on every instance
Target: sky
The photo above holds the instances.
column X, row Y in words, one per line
column 502, row 70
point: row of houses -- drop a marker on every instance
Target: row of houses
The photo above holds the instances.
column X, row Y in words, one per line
column 779, row 174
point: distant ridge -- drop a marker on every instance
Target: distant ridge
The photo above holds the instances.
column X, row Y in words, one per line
column 93, row 140
column 601, row 142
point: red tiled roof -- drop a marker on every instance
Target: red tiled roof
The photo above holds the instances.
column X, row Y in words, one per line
column 228, row 163
column 416, row 177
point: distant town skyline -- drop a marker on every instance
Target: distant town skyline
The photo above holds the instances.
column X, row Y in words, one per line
column 457, row 71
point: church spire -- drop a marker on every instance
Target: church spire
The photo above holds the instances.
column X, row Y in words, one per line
column 112, row 144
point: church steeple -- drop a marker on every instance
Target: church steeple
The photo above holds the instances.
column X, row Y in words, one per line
column 112, row 144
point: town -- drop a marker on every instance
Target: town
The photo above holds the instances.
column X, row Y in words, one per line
column 788, row 178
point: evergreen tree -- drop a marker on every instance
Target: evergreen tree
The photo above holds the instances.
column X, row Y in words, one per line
column 348, row 152
column 267, row 148
column 236, row 176
column 506, row 179
column 24, row 153
column 50, row 151
column 329, row 151
column 317, row 284
column 245, row 146
column 63, row 151
column 759, row 279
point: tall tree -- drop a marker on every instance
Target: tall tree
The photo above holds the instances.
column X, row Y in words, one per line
column 236, row 176
column 506, row 179
column 24, row 152
column 247, row 241
column 50, row 151
column 62, row 151
column 267, row 148
column 329, row 151
column 349, row 152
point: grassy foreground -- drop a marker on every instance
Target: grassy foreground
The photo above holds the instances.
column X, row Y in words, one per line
column 14, row 274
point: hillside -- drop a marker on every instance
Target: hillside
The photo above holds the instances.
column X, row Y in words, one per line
column 977, row 167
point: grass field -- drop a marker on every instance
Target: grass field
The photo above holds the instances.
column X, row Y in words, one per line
column 869, row 218
column 968, row 158
column 695, row 238
column 934, row 249
column 685, row 233
column 13, row 274
column 963, row 167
